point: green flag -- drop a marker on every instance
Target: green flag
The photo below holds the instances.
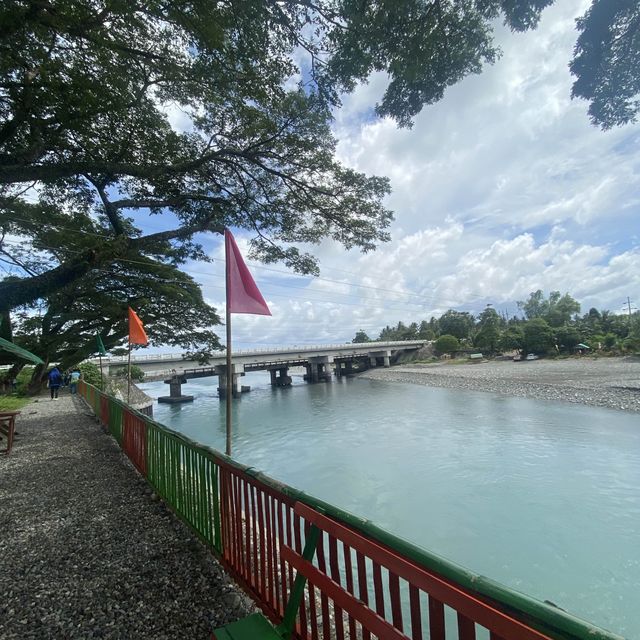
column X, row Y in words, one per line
column 101, row 350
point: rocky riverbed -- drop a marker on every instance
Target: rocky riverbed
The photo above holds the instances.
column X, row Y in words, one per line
column 87, row 551
column 601, row 382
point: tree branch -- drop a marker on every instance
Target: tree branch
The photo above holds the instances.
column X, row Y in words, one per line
column 109, row 209
column 50, row 172
column 152, row 203
column 15, row 292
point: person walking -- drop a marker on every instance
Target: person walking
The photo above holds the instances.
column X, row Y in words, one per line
column 73, row 381
column 55, row 380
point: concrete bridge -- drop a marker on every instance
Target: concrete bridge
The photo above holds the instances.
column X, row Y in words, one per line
column 318, row 360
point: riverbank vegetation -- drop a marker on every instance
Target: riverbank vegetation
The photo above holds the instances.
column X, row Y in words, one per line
column 552, row 325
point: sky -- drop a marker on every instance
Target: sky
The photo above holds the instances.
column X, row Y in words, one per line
column 502, row 188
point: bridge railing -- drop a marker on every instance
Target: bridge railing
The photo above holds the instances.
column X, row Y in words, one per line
column 296, row 348
column 249, row 520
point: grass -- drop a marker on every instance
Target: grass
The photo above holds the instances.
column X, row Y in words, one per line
column 13, row 403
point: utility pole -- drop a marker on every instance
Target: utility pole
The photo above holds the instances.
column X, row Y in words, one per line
column 629, row 308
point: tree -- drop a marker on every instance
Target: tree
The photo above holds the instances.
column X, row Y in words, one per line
column 593, row 318
column 425, row 331
column 537, row 337
column 512, row 339
column 557, row 310
column 535, row 307
column 568, row 338
column 84, row 94
column 361, row 336
column 488, row 337
column 169, row 302
column 83, row 112
column 606, row 61
column 399, row 332
column 447, row 344
column 456, row 323
column 561, row 309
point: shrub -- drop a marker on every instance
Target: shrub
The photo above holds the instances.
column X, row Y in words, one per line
column 631, row 344
column 447, row 344
column 137, row 374
column 24, row 379
column 91, row 374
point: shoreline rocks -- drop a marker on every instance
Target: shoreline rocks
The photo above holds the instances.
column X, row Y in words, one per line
column 613, row 383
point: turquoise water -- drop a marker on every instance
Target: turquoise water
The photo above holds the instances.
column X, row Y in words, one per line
column 541, row 496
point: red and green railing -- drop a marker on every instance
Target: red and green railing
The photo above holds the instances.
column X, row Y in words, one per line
column 256, row 526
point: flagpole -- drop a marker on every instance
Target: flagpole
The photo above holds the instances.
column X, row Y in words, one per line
column 229, row 373
column 101, row 375
column 129, row 372
column 229, row 382
column 242, row 296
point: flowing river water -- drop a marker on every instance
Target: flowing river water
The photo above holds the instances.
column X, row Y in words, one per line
column 541, row 496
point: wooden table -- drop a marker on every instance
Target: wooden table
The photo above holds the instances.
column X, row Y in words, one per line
column 7, row 428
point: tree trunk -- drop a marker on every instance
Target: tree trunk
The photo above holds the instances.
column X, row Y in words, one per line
column 37, row 378
column 6, row 385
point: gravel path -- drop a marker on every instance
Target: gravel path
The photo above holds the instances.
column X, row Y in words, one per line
column 602, row 382
column 85, row 549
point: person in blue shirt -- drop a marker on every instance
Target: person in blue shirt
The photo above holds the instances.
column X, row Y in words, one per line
column 73, row 381
column 55, row 380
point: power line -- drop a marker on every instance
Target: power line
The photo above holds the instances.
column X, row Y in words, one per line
column 264, row 268
column 381, row 306
column 435, row 300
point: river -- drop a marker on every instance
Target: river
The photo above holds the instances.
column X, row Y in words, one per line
column 541, row 496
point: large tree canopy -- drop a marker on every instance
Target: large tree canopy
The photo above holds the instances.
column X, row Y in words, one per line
column 607, row 61
column 86, row 141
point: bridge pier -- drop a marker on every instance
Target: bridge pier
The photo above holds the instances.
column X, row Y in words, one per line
column 380, row 356
column 280, row 376
column 175, row 391
column 318, row 369
column 343, row 368
column 237, row 371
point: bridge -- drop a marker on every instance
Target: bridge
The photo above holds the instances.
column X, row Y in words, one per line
column 320, row 362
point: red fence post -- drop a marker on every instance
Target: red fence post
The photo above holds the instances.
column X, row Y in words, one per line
column 134, row 440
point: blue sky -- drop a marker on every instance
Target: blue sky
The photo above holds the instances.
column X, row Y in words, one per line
column 502, row 188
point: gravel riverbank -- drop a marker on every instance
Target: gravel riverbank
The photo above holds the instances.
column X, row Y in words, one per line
column 601, row 382
column 86, row 551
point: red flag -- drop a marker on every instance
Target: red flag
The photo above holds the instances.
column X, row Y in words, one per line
column 137, row 333
column 243, row 295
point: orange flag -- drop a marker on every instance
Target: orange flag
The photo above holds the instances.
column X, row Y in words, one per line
column 137, row 333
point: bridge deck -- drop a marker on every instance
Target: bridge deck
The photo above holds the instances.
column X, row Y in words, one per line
column 261, row 359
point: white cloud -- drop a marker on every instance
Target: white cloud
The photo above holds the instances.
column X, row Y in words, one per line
column 502, row 188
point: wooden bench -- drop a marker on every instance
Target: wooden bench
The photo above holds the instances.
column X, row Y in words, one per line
column 7, row 428
column 350, row 608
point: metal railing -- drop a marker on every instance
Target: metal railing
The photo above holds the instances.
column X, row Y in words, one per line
column 296, row 348
column 256, row 526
